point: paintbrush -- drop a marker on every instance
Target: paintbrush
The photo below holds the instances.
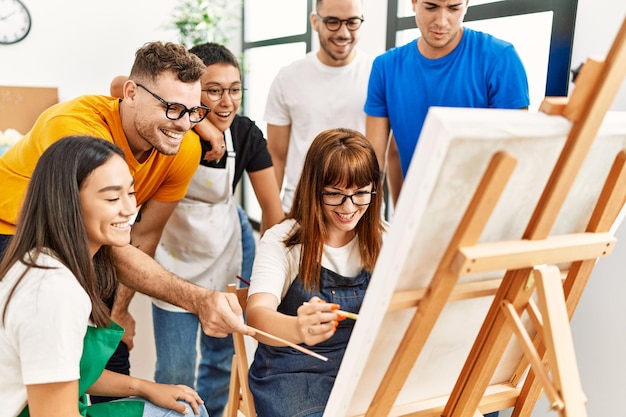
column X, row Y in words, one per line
column 349, row 315
column 293, row 345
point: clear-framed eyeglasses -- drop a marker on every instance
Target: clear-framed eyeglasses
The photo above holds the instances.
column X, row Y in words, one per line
column 360, row 198
column 175, row 111
column 333, row 23
column 216, row 93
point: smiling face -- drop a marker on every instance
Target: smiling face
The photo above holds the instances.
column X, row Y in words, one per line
column 107, row 199
column 342, row 220
column 336, row 48
column 153, row 129
column 439, row 22
column 221, row 77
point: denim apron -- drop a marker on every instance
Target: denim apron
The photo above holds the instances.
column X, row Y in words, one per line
column 287, row 383
column 98, row 346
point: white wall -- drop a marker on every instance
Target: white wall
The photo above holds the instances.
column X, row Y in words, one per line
column 79, row 46
column 597, row 23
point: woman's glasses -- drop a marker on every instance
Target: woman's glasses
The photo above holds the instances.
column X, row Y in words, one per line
column 360, row 198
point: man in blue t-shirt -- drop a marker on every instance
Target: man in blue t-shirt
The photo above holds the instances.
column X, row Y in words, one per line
column 448, row 66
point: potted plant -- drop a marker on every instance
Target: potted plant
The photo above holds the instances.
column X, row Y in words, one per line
column 200, row 21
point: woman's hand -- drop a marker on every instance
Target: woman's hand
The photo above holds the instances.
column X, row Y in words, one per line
column 167, row 396
column 317, row 321
column 214, row 136
column 119, row 385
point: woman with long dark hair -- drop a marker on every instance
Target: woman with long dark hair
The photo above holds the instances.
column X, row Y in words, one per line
column 55, row 331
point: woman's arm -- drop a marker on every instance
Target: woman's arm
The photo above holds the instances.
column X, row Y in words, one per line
column 272, row 273
column 57, row 399
column 166, row 396
column 315, row 322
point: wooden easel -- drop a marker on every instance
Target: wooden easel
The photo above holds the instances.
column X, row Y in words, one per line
column 599, row 83
column 239, row 396
column 550, row 351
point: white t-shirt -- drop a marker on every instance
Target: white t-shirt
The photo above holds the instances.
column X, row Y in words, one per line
column 312, row 97
column 42, row 337
column 276, row 266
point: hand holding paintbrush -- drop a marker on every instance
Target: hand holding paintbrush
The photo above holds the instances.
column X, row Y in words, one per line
column 342, row 314
column 333, row 307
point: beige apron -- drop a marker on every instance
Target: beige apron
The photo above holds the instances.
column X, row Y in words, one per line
column 201, row 241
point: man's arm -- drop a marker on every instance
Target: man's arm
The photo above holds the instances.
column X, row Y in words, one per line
column 116, row 88
column 377, row 132
column 219, row 313
column 147, row 229
column 277, row 145
column 395, row 180
column 145, row 235
column 268, row 195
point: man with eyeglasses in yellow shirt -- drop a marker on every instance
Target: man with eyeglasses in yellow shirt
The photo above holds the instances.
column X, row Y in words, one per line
column 151, row 124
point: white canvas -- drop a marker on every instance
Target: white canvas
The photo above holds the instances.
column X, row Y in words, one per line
column 454, row 150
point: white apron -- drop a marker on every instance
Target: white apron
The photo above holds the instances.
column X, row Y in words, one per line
column 201, row 241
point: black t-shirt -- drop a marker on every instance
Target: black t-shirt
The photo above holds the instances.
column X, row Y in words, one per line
column 250, row 147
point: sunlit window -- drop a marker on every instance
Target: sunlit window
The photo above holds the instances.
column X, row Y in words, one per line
column 262, row 65
column 276, row 32
column 272, row 19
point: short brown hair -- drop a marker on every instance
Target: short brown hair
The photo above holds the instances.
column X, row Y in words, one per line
column 155, row 58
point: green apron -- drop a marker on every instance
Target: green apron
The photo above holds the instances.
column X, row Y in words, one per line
column 98, row 346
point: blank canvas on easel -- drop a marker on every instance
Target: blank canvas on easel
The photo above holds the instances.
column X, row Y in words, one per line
column 454, row 150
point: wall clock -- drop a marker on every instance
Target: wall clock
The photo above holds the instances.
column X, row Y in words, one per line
column 15, row 21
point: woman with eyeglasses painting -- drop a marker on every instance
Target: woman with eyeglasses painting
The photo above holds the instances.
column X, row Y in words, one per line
column 318, row 259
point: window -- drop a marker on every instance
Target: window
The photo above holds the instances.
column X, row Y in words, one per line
column 276, row 32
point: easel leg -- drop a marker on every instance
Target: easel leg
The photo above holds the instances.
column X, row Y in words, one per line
column 558, row 341
column 233, row 392
column 532, row 355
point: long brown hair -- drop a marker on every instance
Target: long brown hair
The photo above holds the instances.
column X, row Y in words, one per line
column 337, row 157
column 51, row 219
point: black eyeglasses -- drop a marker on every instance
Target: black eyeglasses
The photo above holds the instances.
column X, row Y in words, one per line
column 360, row 198
column 334, row 23
column 216, row 93
column 175, row 111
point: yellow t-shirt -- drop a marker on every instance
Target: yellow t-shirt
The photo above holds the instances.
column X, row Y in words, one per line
column 161, row 177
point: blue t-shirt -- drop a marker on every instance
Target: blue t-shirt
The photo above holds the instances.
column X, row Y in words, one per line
column 482, row 72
